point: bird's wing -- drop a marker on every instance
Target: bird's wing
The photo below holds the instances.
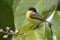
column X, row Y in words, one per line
column 37, row 16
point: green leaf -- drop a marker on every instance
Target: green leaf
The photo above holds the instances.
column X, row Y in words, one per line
column 36, row 35
column 56, row 25
column 31, row 35
column 45, row 5
column 45, row 29
column 47, row 13
column 48, row 32
column 26, row 28
column 15, row 4
column 19, row 37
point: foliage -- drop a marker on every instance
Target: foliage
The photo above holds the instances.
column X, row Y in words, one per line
column 12, row 15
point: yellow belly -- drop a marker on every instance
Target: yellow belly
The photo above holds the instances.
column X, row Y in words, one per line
column 34, row 21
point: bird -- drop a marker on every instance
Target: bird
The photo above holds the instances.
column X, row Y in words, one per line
column 34, row 17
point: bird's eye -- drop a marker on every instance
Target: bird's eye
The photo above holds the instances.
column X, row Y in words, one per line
column 32, row 8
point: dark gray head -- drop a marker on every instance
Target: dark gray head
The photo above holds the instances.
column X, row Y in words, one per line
column 32, row 9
